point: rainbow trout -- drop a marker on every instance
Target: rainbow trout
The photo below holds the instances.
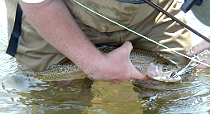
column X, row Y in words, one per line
column 151, row 64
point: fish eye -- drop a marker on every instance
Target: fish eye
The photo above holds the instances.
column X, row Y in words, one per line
column 165, row 69
column 165, row 63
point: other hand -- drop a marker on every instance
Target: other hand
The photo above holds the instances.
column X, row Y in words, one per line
column 204, row 45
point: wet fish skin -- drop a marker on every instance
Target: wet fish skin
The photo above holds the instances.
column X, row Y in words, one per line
column 141, row 59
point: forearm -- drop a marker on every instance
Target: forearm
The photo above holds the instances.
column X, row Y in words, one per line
column 54, row 22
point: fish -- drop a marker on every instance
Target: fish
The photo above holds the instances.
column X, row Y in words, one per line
column 152, row 64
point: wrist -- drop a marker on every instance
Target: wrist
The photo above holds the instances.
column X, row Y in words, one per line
column 94, row 66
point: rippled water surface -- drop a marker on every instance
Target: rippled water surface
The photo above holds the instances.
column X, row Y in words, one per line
column 22, row 94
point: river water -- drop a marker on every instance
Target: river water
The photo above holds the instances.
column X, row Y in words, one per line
column 22, row 94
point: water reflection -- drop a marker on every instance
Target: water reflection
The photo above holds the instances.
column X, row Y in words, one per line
column 191, row 95
column 49, row 97
column 20, row 94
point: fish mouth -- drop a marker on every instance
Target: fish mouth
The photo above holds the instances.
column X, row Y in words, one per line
column 156, row 73
column 170, row 76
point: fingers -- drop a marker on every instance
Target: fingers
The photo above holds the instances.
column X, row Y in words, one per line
column 199, row 48
column 204, row 45
column 204, row 66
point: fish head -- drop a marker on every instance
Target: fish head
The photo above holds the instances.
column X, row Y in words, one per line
column 163, row 73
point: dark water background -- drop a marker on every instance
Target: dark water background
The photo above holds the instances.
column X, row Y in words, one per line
column 21, row 94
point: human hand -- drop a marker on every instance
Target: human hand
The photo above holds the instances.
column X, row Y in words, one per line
column 204, row 45
column 116, row 65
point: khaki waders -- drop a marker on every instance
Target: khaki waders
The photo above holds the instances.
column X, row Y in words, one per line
column 37, row 54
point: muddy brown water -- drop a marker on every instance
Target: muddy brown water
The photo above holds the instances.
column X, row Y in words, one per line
column 22, row 94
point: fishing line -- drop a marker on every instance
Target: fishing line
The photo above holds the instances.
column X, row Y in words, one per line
column 193, row 59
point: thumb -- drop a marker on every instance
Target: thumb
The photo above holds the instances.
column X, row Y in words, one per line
column 135, row 73
column 125, row 49
column 128, row 45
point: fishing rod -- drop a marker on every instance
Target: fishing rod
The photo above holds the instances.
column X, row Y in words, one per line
column 175, row 19
column 185, row 7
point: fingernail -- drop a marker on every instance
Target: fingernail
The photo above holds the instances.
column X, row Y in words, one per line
column 189, row 53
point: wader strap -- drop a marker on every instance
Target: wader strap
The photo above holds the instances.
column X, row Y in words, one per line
column 13, row 43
